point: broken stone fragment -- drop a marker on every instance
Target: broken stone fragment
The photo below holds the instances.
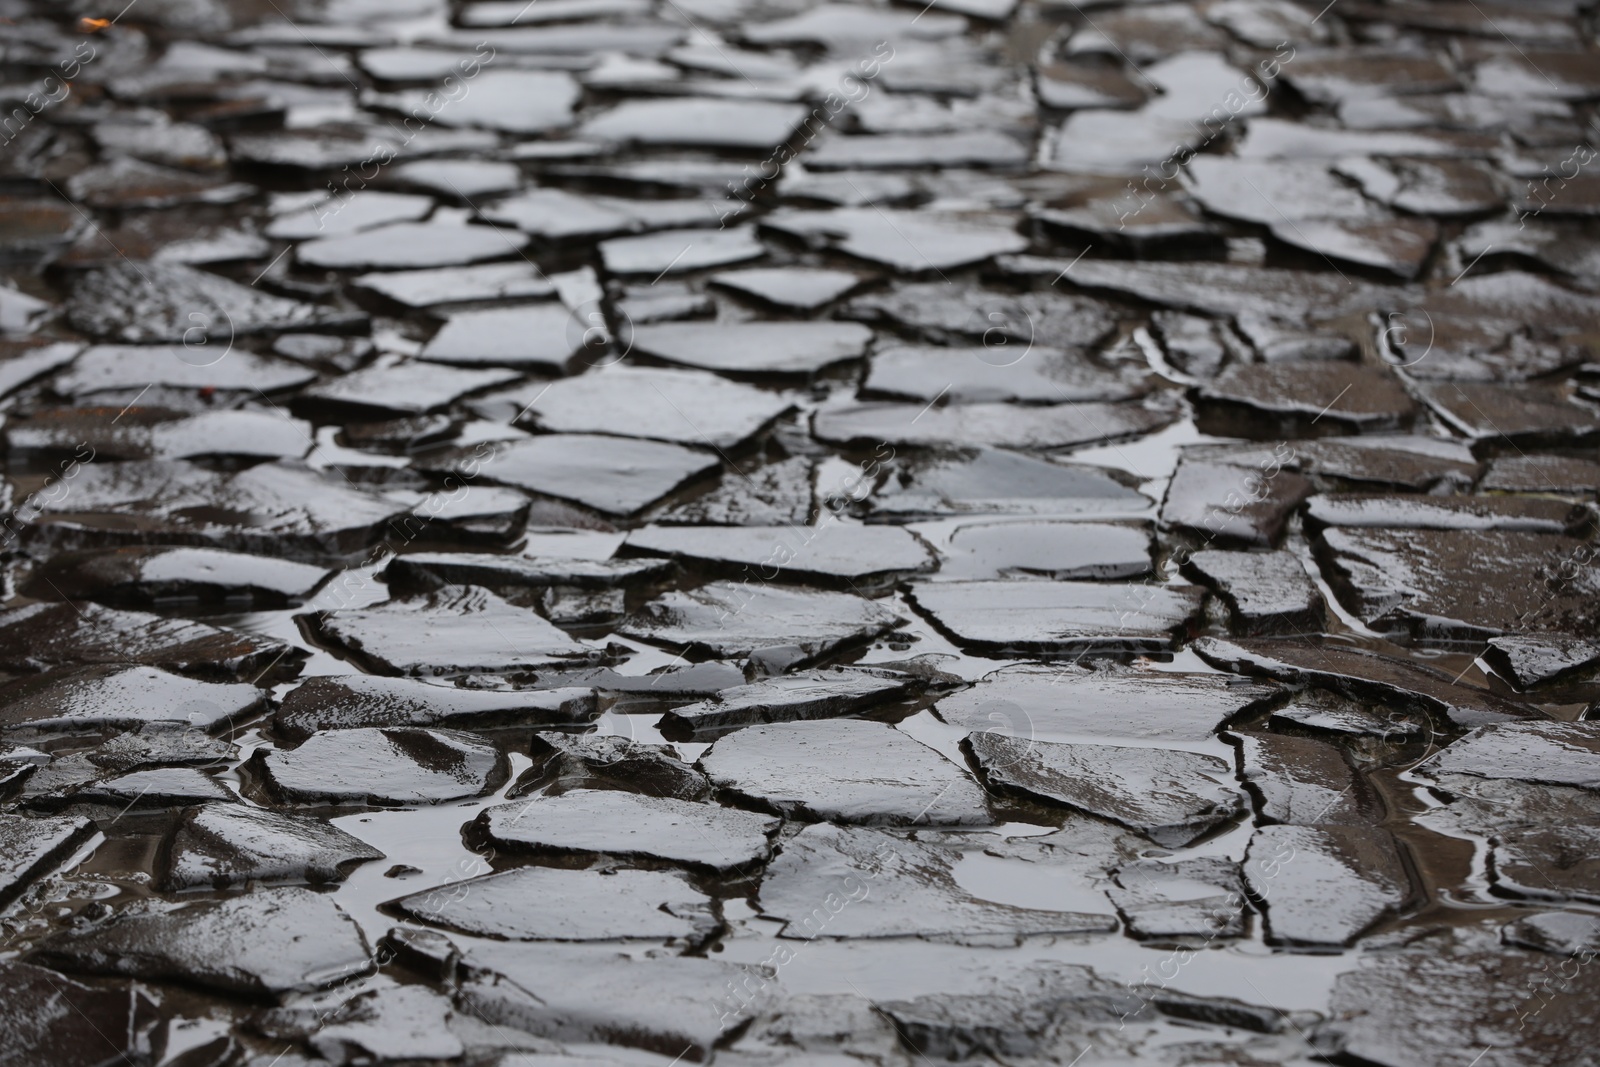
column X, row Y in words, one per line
column 602, row 761
column 844, row 770
column 1200, row 897
column 1057, row 618
column 228, row 845
column 849, row 882
column 396, row 765
column 118, row 697
column 554, row 904
column 343, row 702
column 609, row 822
column 1305, row 782
column 270, row 943
column 1325, row 885
column 1267, row 591
column 31, row 848
column 1170, row 796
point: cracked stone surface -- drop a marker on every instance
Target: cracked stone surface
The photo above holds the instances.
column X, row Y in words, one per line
column 763, row 532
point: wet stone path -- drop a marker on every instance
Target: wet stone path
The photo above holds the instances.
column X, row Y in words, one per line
column 587, row 532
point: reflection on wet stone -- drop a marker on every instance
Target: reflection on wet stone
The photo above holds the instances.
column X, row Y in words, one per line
column 750, row 532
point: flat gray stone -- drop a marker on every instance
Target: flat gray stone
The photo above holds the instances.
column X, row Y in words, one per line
column 271, row 943
column 224, row 846
column 121, row 697
column 783, row 624
column 1170, row 796
column 31, row 848
column 1060, row 704
column 554, row 904
column 846, row 771
column 608, row 822
column 459, row 630
column 788, row 698
column 832, row 550
column 394, row 766
column 343, row 702
column 1325, row 885
column 849, row 882
column 1057, row 618
column 793, row 348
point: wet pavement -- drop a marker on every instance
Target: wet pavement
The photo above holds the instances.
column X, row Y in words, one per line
column 578, row 532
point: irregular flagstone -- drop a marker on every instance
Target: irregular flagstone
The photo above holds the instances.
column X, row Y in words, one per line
column 728, row 619
column 603, row 761
column 395, row 1022
column 1304, row 782
column 436, row 287
column 665, row 1004
column 753, row 347
column 526, row 336
column 1267, row 592
column 1057, row 618
column 1171, row 797
column 1413, row 1006
column 268, row 944
column 1521, row 415
column 516, row 101
column 1460, row 585
column 227, row 845
column 656, row 403
column 846, row 771
column 143, row 576
column 1201, row 897
column 1062, row 550
column 613, row 475
column 680, row 251
column 800, row 288
column 1031, row 701
column 911, row 242
column 1004, row 323
column 32, row 848
column 123, row 697
column 849, row 882
column 1533, row 659
column 609, row 822
column 1551, row 753
column 458, row 630
column 1548, row 862
column 1403, row 461
column 553, row 904
column 832, row 550
column 774, row 495
column 1325, row 885
column 1568, row 933
column 397, row 765
column 1233, row 503
column 985, row 374
column 789, row 698
column 162, row 787
column 55, row 1020
column 1317, row 709
column 39, row 636
column 977, row 425
column 409, row 388
column 427, row 570
column 412, row 245
column 157, row 433
column 701, row 122
column 1307, row 397
column 1525, row 514
column 169, row 302
column 109, row 368
column 282, row 509
column 362, row 700
column 995, row 481
column 1362, row 673
column 1543, row 474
